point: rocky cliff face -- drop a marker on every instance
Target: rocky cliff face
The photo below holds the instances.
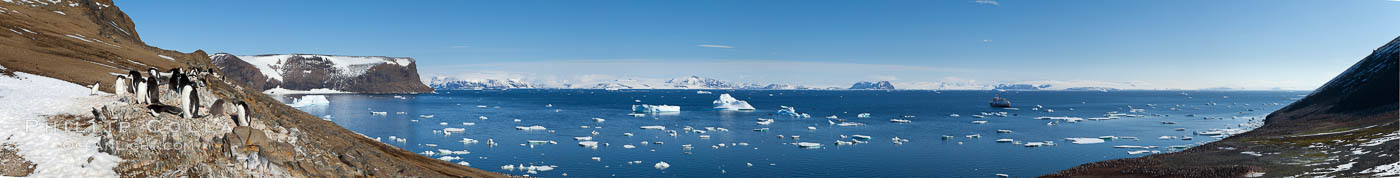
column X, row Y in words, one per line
column 1346, row 128
column 881, row 85
column 359, row 74
column 88, row 41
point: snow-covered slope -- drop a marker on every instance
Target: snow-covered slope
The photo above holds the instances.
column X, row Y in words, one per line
column 29, row 99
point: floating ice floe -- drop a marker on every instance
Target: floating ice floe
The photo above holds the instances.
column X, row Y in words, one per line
column 728, row 103
column 426, row 116
column 1005, row 140
column 1066, row 119
column 702, row 92
column 530, row 128
column 452, row 129
column 590, row 144
column 1085, row 140
column 310, row 100
column 647, row 108
column 481, row 117
column 583, row 138
column 1035, row 144
column 979, row 122
column 654, row 127
column 762, row 121
column 954, row 115
column 861, row 137
column 379, row 113
column 449, row 158
column 629, row 146
column 541, row 142
column 1003, row 131
column 850, row 124
column 598, row 119
column 900, row 121
column 662, row 165
column 809, row 145
column 863, row 115
column 811, row 128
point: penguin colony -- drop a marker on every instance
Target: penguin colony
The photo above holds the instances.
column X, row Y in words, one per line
column 145, row 89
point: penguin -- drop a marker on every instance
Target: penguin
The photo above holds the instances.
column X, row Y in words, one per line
column 243, row 117
column 119, row 86
column 217, row 109
column 141, row 90
column 95, row 89
column 161, row 108
column 189, row 98
column 153, row 89
column 174, row 81
column 132, row 75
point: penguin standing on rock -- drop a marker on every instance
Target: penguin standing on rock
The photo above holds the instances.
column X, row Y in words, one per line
column 140, row 90
column 174, row 81
column 243, row 118
column 119, row 86
column 153, row 89
column 189, row 98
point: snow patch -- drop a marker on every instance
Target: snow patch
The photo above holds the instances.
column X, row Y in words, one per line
column 166, row 57
column 56, row 153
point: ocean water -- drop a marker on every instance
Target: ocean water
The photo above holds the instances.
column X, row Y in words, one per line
column 925, row 154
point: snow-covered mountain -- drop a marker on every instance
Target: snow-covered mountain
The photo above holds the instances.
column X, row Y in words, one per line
column 361, row 74
column 699, row 83
column 451, row 83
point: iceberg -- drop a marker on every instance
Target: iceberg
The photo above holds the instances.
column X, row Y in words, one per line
column 728, row 103
column 791, row 112
column 1085, row 140
column 647, row 108
column 310, row 100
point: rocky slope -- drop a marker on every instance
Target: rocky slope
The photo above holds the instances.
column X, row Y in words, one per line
column 358, row 74
column 1346, row 128
column 88, row 41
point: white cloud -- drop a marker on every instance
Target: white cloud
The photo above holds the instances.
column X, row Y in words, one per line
column 715, row 46
column 988, row 2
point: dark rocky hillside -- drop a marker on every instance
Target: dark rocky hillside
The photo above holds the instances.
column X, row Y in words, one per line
column 1346, row 128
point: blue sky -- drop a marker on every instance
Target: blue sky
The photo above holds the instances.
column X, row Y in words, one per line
column 1159, row 44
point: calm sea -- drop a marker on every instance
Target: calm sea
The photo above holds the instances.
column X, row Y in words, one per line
column 569, row 113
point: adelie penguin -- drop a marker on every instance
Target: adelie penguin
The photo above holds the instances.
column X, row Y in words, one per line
column 131, row 84
column 153, row 87
column 174, row 82
column 119, row 86
column 242, row 119
column 139, row 89
column 189, row 98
